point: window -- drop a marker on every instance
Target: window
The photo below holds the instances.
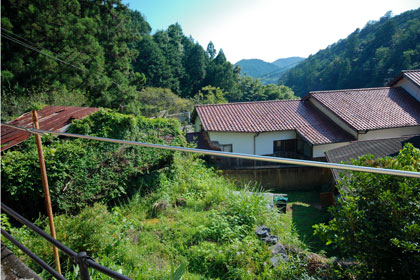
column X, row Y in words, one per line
column 284, row 146
column 303, row 147
column 226, row 148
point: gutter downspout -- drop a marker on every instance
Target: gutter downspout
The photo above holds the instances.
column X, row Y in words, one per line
column 255, row 142
column 255, row 153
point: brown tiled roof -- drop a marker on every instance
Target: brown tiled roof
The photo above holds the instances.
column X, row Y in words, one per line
column 266, row 116
column 50, row 118
column 371, row 108
column 413, row 75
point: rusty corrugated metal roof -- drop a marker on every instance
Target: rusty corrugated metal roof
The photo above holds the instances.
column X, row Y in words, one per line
column 50, row 118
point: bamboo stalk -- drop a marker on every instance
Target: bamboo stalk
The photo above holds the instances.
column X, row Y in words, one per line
column 46, row 189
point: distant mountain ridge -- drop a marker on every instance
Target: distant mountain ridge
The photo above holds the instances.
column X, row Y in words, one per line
column 268, row 73
column 288, row 62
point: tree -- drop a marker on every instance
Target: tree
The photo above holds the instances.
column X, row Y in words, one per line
column 152, row 63
column 250, row 89
column 366, row 58
column 210, row 95
column 157, row 102
column 377, row 218
column 195, row 68
column 211, row 51
column 83, row 46
column 220, row 73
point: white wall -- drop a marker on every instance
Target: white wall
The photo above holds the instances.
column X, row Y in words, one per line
column 389, row 133
column 410, row 87
column 319, row 150
column 244, row 142
column 241, row 142
column 264, row 141
column 333, row 117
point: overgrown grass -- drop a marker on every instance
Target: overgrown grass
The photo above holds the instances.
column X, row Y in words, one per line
column 212, row 231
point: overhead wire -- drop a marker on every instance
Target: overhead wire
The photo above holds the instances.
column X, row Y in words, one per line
column 17, row 41
column 301, row 162
column 33, row 48
column 28, row 41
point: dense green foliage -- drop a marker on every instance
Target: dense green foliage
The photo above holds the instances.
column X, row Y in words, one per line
column 81, row 172
column 101, row 53
column 152, row 102
column 94, row 38
column 366, row 58
column 253, row 90
column 377, row 219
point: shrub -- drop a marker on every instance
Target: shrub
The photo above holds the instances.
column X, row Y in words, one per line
column 82, row 172
column 377, row 218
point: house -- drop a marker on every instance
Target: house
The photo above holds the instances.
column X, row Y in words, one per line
column 320, row 121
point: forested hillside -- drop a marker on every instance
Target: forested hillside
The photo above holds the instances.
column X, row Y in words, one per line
column 366, row 58
column 101, row 53
column 256, row 67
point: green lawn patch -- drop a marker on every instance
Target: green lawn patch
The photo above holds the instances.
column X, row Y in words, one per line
column 304, row 211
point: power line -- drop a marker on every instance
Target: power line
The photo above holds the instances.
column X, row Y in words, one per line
column 33, row 48
column 17, row 41
column 28, row 41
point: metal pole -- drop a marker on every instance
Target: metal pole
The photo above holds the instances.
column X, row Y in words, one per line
column 46, row 189
column 84, row 267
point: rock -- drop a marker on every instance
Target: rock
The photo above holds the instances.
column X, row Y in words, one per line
column 279, row 258
column 270, row 239
column 262, row 231
column 277, row 249
column 160, row 206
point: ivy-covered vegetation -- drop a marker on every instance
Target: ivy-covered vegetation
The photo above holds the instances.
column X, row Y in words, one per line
column 81, row 172
column 370, row 57
column 377, row 219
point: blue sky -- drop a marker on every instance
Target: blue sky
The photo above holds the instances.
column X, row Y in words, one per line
column 267, row 29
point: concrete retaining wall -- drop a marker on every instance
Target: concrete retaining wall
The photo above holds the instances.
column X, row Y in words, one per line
column 284, row 178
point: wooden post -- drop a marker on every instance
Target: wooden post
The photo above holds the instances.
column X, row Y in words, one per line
column 46, row 189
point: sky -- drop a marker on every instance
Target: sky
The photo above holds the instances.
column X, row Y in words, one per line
column 267, row 29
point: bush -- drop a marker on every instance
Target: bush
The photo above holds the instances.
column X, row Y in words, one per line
column 82, row 172
column 377, row 218
column 155, row 102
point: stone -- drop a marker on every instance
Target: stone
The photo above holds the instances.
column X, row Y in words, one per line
column 277, row 249
column 262, row 231
column 160, row 206
column 270, row 239
column 275, row 261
